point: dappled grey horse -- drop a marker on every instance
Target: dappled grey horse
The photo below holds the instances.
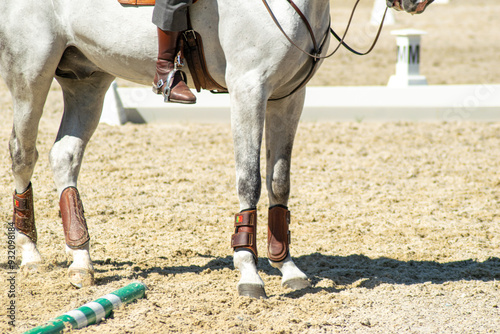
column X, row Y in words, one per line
column 85, row 44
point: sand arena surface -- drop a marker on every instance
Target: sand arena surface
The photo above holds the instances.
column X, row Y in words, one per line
column 396, row 224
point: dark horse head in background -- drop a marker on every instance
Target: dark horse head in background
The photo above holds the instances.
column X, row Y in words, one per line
column 410, row 6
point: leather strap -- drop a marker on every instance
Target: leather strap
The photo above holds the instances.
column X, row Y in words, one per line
column 315, row 55
column 278, row 237
column 140, row 2
column 137, row 2
column 245, row 232
column 306, row 23
column 24, row 214
column 194, row 53
column 75, row 227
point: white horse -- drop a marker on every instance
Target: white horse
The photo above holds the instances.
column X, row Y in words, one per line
column 85, row 44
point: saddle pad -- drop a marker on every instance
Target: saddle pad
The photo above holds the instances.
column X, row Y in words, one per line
column 137, row 2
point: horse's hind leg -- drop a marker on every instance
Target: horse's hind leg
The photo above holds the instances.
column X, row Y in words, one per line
column 83, row 100
column 282, row 119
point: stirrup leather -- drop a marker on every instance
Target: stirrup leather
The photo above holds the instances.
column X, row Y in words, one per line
column 245, row 232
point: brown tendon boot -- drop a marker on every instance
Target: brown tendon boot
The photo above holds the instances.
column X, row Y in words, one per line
column 75, row 228
column 245, row 232
column 278, row 238
column 169, row 80
column 24, row 215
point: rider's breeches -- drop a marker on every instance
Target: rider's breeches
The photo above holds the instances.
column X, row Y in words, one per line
column 170, row 15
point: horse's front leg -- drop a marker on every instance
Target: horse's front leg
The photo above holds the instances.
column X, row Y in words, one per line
column 83, row 100
column 29, row 98
column 281, row 125
column 247, row 119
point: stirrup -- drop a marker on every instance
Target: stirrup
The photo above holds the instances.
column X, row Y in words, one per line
column 178, row 64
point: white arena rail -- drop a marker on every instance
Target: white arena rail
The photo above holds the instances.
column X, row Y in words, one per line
column 367, row 103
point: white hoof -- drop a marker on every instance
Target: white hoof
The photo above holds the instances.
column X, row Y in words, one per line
column 80, row 277
column 30, row 268
column 250, row 284
column 293, row 277
column 81, row 271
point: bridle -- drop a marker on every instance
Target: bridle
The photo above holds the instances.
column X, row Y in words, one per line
column 317, row 49
column 421, row 5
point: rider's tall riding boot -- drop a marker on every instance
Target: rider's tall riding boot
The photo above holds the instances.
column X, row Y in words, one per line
column 172, row 85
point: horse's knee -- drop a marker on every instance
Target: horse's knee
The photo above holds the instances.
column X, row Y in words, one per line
column 249, row 187
column 24, row 156
column 248, row 181
column 23, row 160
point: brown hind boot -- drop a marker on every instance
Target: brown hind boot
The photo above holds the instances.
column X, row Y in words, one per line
column 168, row 80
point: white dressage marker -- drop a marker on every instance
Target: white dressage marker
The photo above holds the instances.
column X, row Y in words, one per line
column 408, row 63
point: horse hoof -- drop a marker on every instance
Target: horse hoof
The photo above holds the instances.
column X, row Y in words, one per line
column 80, row 278
column 252, row 290
column 296, row 283
column 30, row 268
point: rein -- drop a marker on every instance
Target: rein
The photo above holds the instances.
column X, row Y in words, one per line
column 316, row 55
column 317, row 51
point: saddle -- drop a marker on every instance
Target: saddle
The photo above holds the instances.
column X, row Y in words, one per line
column 190, row 44
column 140, row 2
column 137, row 2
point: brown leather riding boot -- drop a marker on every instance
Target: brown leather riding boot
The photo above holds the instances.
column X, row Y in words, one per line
column 168, row 80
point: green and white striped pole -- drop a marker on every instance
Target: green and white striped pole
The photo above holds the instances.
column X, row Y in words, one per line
column 93, row 312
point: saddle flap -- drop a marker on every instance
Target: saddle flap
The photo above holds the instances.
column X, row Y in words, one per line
column 192, row 47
